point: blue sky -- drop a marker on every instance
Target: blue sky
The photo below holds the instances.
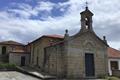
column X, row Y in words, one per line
column 26, row 20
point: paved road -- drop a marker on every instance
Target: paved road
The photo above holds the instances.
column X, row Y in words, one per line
column 13, row 75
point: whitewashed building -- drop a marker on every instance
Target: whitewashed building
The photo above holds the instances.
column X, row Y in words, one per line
column 113, row 60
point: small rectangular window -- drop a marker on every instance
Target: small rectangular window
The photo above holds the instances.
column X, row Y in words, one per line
column 114, row 65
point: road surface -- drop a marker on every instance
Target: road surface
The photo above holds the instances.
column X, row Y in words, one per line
column 13, row 75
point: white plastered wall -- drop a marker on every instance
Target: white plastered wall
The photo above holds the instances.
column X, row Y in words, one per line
column 109, row 66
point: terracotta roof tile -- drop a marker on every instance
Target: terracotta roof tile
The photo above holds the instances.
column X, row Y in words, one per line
column 51, row 36
column 18, row 51
column 55, row 36
column 113, row 53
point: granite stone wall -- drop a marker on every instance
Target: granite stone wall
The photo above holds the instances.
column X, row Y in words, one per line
column 68, row 60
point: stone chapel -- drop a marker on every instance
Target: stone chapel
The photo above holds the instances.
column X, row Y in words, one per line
column 83, row 55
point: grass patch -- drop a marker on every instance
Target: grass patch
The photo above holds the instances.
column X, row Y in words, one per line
column 7, row 66
column 106, row 77
column 113, row 78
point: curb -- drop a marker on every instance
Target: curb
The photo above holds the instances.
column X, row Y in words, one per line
column 19, row 69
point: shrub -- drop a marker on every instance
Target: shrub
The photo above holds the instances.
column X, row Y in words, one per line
column 7, row 66
column 103, row 76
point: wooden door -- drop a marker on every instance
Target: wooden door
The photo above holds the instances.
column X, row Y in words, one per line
column 23, row 61
column 89, row 65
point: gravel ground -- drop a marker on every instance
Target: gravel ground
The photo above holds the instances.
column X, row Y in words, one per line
column 13, row 75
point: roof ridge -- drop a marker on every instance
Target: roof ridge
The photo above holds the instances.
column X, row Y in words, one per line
column 11, row 42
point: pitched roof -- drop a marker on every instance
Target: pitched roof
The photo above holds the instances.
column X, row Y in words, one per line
column 50, row 36
column 18, row 51
column 55, row 36
column 113, row 53
column 89, row 32
column 11, row 43
column 87, row 11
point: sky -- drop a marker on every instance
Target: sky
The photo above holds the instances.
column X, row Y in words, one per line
column 27, row 20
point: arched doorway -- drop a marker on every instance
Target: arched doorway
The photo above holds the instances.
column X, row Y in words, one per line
column 3, row 50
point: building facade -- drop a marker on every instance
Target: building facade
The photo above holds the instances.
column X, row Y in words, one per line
column 113, row 61
column 37, row 49
column 14, row 53
column 19, row 58
column 82, row 55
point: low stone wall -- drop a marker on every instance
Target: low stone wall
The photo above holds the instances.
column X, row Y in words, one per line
column 116, row 73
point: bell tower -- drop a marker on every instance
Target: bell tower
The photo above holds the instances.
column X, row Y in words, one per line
column 86, row 20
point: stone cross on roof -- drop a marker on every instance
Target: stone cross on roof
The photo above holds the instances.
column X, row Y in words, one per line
column 86, row 4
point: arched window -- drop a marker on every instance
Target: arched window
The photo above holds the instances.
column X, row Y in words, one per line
column 87, row 23
column 3, row 50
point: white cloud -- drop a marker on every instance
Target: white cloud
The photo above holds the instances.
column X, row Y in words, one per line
column 48, row 6
column 105, row 21
column 26, row 10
